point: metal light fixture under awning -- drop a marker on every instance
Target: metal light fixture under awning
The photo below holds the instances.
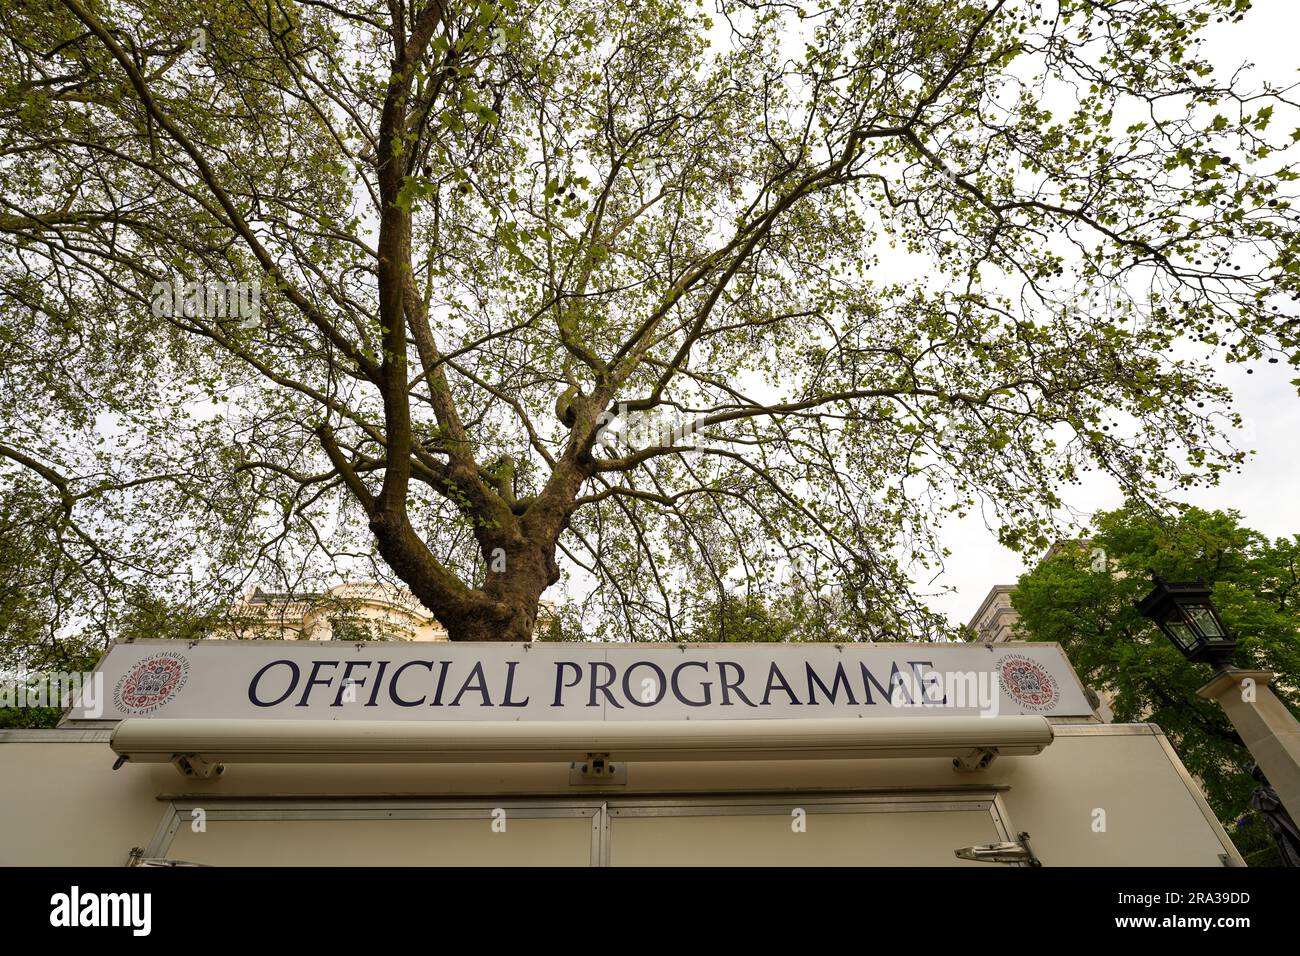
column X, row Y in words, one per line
column 200, row 747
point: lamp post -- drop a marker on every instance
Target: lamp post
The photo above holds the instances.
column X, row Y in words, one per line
column 1187, row 616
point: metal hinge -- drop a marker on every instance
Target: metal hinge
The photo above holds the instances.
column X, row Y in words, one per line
column 137, row 858
column 1018, row 853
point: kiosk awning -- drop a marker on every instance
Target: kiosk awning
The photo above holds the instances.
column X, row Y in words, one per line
column 329, row 741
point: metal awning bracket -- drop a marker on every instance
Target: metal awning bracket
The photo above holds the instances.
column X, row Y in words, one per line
column 975, row 760
column 192, row 766
column 597, row 770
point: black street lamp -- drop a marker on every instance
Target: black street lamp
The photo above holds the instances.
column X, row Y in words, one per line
column 1189, row 618
column 1270, row 731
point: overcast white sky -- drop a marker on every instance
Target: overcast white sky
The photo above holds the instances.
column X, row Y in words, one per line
column 1267, row 492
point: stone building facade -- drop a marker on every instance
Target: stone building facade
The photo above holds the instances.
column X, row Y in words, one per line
column 356, row 611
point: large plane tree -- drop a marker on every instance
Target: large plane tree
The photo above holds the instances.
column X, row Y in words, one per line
column 678, row 298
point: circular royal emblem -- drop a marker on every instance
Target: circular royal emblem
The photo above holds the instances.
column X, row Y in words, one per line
column 151, row 683
column 1028, row 683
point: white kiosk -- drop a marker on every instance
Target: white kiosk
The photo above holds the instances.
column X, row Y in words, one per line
column 299, row 752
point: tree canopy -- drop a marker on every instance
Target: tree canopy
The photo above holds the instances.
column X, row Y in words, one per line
column 1083, row 596
column 668, row 297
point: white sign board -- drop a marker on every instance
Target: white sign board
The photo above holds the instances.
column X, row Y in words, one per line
column 444, row 681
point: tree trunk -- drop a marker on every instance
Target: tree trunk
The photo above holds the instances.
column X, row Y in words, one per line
column 505, row 608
